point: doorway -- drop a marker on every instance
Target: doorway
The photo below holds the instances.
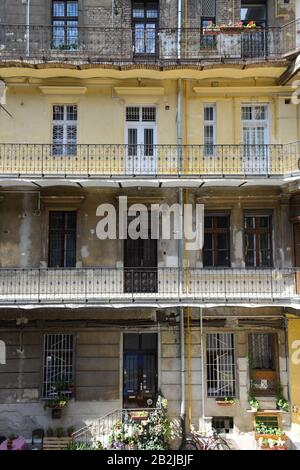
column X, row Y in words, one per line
column 140, row 370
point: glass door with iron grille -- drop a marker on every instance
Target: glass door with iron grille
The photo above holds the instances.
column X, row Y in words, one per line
column 140, row 135
column 140, row 265
column 139, row 370
column 255, row 139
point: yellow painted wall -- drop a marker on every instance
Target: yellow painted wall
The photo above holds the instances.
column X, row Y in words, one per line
column 294, row 363
column 101, row 120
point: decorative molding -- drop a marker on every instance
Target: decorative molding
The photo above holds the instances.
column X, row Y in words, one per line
column 139, row 91
column 59, row 201
column 243, row 91
column 63, row 90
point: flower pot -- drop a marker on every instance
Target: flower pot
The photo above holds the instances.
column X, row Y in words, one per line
column 56, row 413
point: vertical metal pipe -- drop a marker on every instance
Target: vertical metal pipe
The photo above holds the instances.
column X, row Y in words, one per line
column 202, row 372
column 28, row 28
column 182, row 372
column 179, row 9
column 112, row 12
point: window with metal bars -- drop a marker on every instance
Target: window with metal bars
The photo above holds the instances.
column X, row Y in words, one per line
column 208, row 8
column 64, row 129
column 258, row 240
column 263, row 354
column 62, row 239
column 216, row 248
column 209, row 129
column 65, row 24
column 58, row 373
column 222, row 424
column 220, row 365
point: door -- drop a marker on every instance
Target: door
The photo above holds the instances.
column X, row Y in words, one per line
column 297, row 255
column 254, row 40
column 139, row 370
column 140, row 263
column 62, row 239
column 141, row 140
column 145, row 28
column 255, row 139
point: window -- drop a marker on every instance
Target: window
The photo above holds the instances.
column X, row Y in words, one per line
column 255, row 138
column 222, row 424
column 220, row 365
column 64, row 129
column 65, row 24
column 258, row 240
column 209, row 130
column 58, row 364
column 145, row 23
column 263, row 362
column 251, row 10
column 208, row 38
column 216, row 249
column 62, row 239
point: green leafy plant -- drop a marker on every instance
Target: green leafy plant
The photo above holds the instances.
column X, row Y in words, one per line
column 253, row 402
column 49, row 432
column 60, row 432
column 70, row 430
column 152, row 432
column 281, row 402
column 57, row 402
column 230, row 400
column 85, row 446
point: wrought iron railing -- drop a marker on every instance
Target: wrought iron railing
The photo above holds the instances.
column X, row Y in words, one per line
column 100, row 429
column 118, row 160
column 105, row 285
column 120, row 45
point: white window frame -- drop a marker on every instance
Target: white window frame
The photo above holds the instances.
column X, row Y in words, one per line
column 210, row 123
column 68, row 145
column 255, row 123
column 221, row 375
column 140, row 161
column 62, row 357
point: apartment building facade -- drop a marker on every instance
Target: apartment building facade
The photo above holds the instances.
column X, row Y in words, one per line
column 164, row 103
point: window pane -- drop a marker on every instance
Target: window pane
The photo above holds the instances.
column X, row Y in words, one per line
column 58, row 113
column 138, row 10
column 132, row 113
column 149, row 341
column 58, row 365
column 208, row 113
column 71, row 113
column 58, row 9
column 148, row 114
column 72, row 9
column 131, row 341
column 262, row 352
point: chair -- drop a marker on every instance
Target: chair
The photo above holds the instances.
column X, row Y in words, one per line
column 37, row 438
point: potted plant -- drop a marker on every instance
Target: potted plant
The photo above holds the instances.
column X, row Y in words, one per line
column 70, row 431
column 49, row 432
column 281, row 403
column 56, row 405
column 234, row 28
column 254, row 403
column 225, row 401
column 10, row 441
column 271, row 444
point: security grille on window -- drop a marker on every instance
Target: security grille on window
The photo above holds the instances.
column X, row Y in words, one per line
column 258, row 240
column 208, row 8
column 209, row 130
column 263, row 362
column 220, row 363
column 222, row 424
column 58, row 365
column 216, row 248
column 255, row 138
column 65, row 24
column 64, row 130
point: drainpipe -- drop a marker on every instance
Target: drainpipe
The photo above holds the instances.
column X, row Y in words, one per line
column 202, row 373
column 179, row 9
column 28, row 28
column 112, row 12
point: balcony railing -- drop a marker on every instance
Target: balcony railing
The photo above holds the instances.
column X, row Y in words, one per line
column 105, row 285
column 120, row 45
column 118, row 160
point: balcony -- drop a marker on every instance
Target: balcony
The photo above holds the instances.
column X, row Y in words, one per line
column 149, row 161
column 169, row 45
column 139, row 286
